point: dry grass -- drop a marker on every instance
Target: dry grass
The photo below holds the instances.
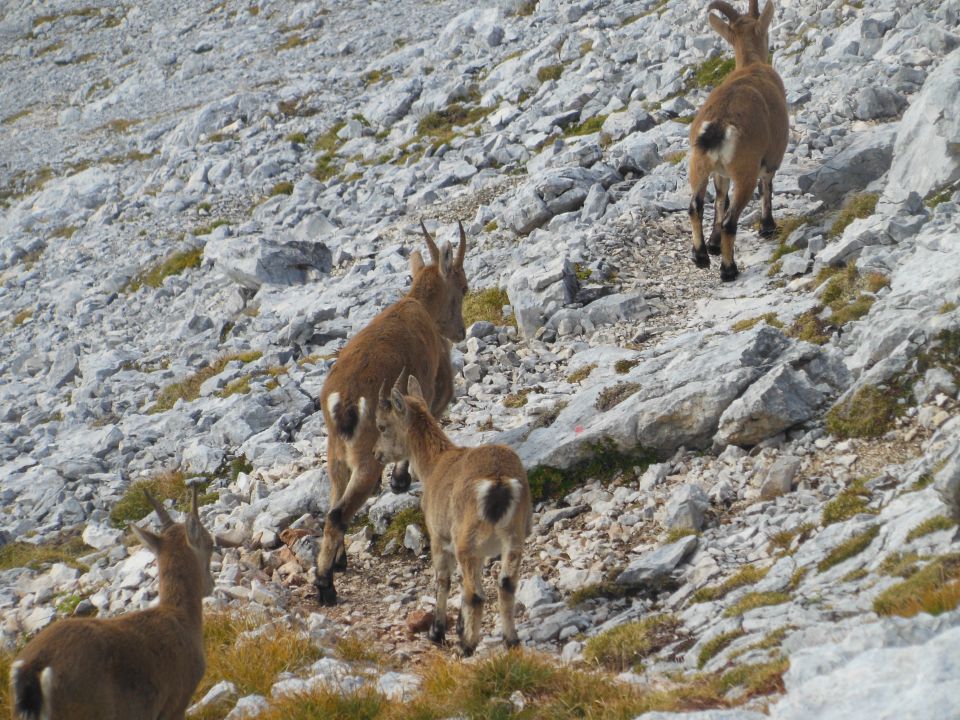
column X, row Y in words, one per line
column 717, row 645
column 612, row 396
column 869, row 412
column 849, row 548
column 550, row 72
column 769, row 318
column 354, row 648
column 931, row 525
column 933, row 589
column 856, row 207
column 754, row 600
column 188, row 389
column 172, row 265
column 133, row 506
column 623, row 647
column 581, row 374
column 243, row 649
column 747, row 575
column 850, row 501
column 64, row 548
column 487, row 304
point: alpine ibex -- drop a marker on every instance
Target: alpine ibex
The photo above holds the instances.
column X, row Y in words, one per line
column 476, row 504
column 411, row 334
column 140, row 666
column 740, row 134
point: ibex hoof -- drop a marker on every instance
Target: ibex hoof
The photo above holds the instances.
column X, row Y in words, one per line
column 729, row 272
column 467, row 650
column 768, row 230
column 713, row 247
column 437, row 633
column 701, row 259
column 460, row 626
column 340, row 564
column 510, row 643
column 400, row 479
column 326, row 594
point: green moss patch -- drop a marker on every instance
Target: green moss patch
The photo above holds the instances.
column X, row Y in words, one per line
column 601, row 461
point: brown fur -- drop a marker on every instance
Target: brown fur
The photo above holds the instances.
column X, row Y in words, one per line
column 752, row 102
column 141, row 666
column 462, row 521
column 409, row 337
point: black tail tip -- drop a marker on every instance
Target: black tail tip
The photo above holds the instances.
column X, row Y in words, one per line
column 712, row 137
column 497, row 502
column 28, row 695
column 346, row 419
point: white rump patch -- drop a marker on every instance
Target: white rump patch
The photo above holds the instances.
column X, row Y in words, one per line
column 46, row 690
column 362, row 407
column 332, row 403
column 723, row 155
column 483, row 489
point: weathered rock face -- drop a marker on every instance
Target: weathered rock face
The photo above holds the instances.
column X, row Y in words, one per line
column 926, row 155
column 864, row 158
column 253, row 261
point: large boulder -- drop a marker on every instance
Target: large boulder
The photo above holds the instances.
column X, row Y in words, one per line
column 256, row 260
column 865, row 157
column 926, row 155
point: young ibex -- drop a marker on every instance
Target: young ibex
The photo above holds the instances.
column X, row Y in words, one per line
column 740, row 133
column 412, row 333
column 140, row 666
column 476, row 503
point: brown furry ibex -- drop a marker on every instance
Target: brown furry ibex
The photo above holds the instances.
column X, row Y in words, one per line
column 411, row 334
column 476, row 504
column 140, row 666
column 740, row 134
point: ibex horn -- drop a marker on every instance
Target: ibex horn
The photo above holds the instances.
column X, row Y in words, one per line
column 725, row 8
column 396, row 383
column 462, row 250
column 434, row 250
column 165, row 520
column 382, row 398
column 754, row 8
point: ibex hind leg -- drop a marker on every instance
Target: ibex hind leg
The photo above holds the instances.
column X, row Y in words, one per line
column 768, row 227
column 721, row 203
column 698, row 184
column 362, row 482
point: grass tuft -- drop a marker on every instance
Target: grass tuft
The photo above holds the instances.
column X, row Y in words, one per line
column 172, row 265
column 856, row 207
column 717, row 645
column 623, row 647
column 769, row 318
column 754, row 600
column 850, row 501
column 487, row 304
column 188, row 389
column 581, row 373
column 282, row 188
column 933, row 589
column 612, row 396
column 849, row 548
column 550, row 72
column 624, row 366
column 64, row 548
column 748, row 575
column 398, row 526
column 931, row 525
column 602, row 461
column 712, row 72
column 870, row 412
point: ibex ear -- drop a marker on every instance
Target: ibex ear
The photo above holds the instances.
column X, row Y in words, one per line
column 446, row 259
column 723, row 30
column 147, row 538
column 766, row 16
column 416, row 263
column 195, row 532
column 413, row 387
column 399, row 404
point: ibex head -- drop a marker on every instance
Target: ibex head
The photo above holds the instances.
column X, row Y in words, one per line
column 447, row 294
column 394, row 418
column 746, row 33
column 173, row 536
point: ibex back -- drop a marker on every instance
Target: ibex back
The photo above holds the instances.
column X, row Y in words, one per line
column 409, row 336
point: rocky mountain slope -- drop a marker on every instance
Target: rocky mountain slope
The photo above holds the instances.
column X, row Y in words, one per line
column 756, row 482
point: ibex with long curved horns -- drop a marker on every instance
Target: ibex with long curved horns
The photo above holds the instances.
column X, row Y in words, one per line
column 411, row 336
column 140, row 666
column 740, row 134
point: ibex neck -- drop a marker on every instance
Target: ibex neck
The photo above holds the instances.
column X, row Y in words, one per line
column 181, row 590
column 750, row 56
column 428, row 289
column 427, row 442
